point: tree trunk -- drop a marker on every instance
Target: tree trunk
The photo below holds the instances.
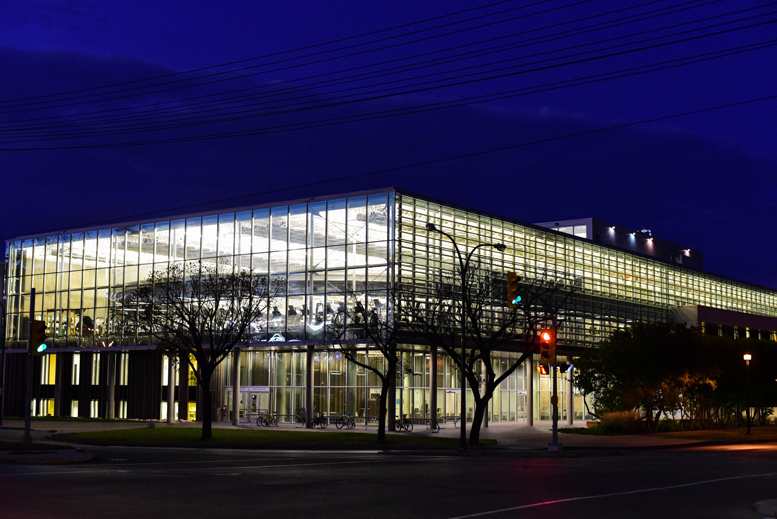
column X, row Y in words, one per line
column 477, row 419
column 384, row 391
column 207, row 405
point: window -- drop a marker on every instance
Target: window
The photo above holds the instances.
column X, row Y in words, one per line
column 76, row 377
column 95, row 369
column 123, row 368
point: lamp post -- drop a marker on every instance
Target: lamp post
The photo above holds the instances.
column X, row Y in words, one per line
column 464, row 267
column 747, row 358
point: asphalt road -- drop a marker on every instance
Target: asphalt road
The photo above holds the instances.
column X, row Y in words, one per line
column 702, row 482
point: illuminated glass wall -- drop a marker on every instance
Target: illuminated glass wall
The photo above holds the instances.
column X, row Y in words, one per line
column 618, row 288
column 324, row 248
column 317, row 250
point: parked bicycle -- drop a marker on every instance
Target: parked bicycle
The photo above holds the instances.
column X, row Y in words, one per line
column 405, row 424
column 320, row 420
column 345, row 420
column 266, row 420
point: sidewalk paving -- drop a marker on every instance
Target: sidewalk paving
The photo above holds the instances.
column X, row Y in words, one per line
column 509, row 436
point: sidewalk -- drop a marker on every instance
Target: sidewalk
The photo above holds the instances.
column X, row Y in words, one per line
column 509, row 436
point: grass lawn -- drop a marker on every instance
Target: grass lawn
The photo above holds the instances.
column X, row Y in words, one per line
column 262, row 439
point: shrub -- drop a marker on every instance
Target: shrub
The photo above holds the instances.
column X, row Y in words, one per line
column 622, row 422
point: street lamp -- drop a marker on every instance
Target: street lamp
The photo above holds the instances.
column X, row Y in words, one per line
column 747, row 358
column 464, row 267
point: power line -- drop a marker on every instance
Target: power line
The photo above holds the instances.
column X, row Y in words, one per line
column 149, row 114
column 628, row 19
column 298, row 49
column 317, row 124
column 434, row 161
column 321, row 53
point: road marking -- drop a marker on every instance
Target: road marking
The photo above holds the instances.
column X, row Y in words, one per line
column 614, row 494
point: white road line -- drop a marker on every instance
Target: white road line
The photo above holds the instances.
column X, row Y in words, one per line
column 599, row 496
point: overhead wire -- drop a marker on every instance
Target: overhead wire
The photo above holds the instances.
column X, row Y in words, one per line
column 180, row 106
column 104, row 133
column 578, row 2
column 435, row 106
column 246, row 60
column 431, row 162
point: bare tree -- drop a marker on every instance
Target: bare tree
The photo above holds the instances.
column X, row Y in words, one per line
column 195, row 311
column 357, row 329
column 434, row 313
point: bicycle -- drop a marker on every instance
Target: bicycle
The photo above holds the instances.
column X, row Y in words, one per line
column 320, row 421
column 345, row 420
column 266, row 420
column 404, row 424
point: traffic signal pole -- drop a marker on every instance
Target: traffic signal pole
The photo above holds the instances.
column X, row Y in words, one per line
column 27, row 439
column 554, row 446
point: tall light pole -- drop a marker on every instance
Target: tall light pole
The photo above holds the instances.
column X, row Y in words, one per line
column 747, row 358
column 464, row 267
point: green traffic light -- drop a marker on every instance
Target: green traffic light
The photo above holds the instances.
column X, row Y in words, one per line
column 41, row 348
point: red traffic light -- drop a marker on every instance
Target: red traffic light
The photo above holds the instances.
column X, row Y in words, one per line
column 547, row 347
column 543, row 369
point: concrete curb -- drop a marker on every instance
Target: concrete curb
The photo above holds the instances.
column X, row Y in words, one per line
column 47, row 457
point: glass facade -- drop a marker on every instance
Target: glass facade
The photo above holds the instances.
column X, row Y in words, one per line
column 322, row 249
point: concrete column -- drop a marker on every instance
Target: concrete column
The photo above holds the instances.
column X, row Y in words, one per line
column 432, row 386
column 235, row 386
column 309, row 387
column 110, row 404
column 170, row 388
column 183, row 388
column 530, row 391
column 570, row 399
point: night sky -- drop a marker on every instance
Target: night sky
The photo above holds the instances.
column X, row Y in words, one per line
column 136, row 109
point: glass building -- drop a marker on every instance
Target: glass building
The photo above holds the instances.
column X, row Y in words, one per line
column 321, row 249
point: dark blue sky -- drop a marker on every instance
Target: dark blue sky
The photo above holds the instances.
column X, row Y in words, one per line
column 704, row 180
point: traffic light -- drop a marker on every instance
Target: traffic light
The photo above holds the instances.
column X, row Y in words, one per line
column 513, row 298
column 547, row 346
column 544, row 370
column 38, row 337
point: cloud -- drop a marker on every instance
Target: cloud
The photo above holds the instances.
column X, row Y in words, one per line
column 688, row 189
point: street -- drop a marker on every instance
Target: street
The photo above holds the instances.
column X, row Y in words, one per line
column 691, row 482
